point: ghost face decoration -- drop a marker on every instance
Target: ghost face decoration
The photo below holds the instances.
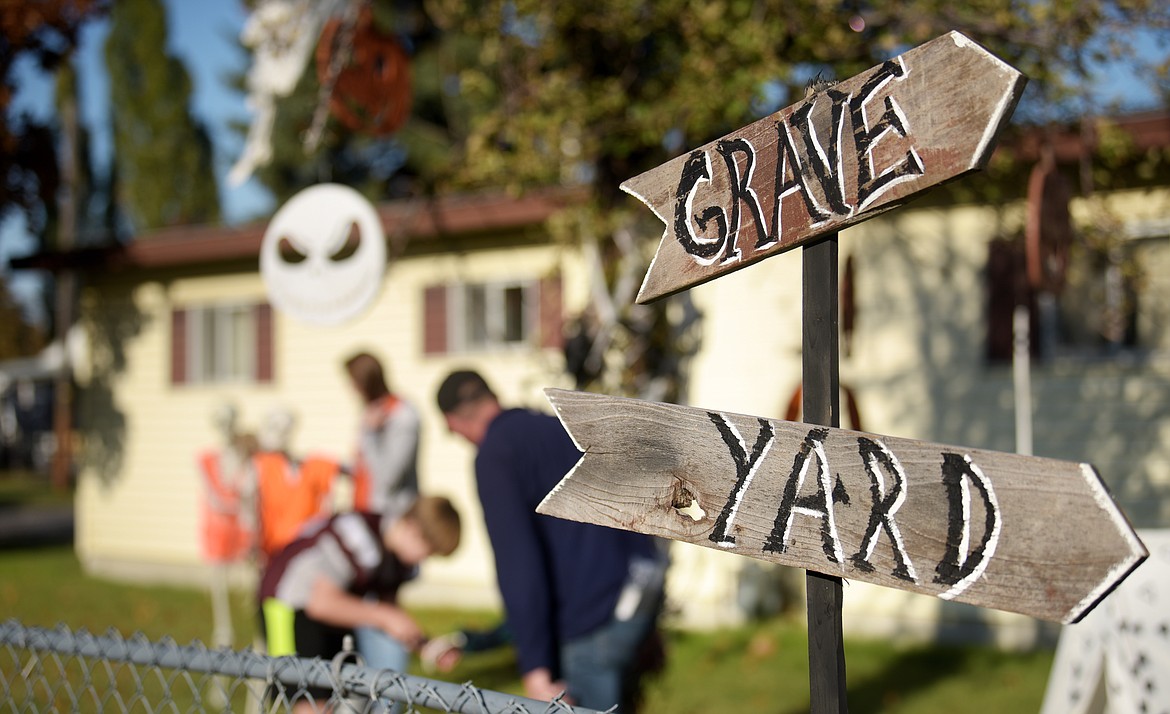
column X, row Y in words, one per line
column 323, row 255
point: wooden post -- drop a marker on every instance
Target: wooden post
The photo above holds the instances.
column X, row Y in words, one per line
column 820, row 377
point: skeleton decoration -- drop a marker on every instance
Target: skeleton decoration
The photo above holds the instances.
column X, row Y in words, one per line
column 282, row 35
column 323, row 255
column 1115, row 660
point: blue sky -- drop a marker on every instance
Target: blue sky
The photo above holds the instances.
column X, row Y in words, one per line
column 203, row 35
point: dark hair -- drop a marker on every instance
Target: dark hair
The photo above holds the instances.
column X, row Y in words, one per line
column 439, row 522
column 366, row 372
column 461, row 387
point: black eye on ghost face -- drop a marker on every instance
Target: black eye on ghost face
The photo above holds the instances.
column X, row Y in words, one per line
column 288, row 251
column 352, row 240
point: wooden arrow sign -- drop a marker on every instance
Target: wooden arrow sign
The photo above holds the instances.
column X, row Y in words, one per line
column 1031, row 535
column 845, row 154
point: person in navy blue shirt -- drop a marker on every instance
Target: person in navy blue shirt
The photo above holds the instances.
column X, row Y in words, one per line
column 582, row 601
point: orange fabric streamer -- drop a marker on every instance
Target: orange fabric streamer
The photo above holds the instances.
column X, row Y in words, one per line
column 224, row 537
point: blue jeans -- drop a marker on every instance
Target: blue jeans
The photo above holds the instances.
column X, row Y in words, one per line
column 381, row 651
column 601, row 668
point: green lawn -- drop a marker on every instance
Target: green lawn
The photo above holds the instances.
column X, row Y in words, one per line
column 762, row 668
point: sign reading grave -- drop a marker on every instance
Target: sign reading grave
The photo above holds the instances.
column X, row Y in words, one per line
column 1037, row 536
column 840, row 156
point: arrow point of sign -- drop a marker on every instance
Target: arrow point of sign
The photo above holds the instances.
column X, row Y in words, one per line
column 1125, row 565
column 1013, row 81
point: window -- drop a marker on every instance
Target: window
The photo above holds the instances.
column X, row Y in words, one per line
column 489, row 316
column 472, row 317
column 1107, row 304
column 223, row 343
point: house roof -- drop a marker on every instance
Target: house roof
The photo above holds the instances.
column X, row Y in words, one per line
column 412, row 219
column 1071, row 142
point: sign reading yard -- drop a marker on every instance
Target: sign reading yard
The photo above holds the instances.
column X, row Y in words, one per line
column 1025, row 534
column 845, row 154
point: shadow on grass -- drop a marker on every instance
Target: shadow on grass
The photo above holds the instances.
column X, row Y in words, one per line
column 910, row 671
column 899, row 678
column 32, row 513
column 40, row 527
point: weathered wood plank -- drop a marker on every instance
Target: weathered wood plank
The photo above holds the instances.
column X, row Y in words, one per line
column 847, row 153
column 1024, row 534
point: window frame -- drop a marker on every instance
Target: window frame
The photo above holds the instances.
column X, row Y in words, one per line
column 459, row 326
column 235, row 335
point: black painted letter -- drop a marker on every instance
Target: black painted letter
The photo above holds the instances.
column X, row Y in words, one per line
column 789, row 160
column 825, row 161
column 695, row 171
column 818, row 505
column 745, row 469
column 886, row 502
column 869, row 187
column 741, row 191
column 961, row 565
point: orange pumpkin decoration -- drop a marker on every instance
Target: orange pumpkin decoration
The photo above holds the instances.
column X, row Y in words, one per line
column 371, row 89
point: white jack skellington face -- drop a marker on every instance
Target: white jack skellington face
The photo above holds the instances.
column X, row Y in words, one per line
column 323, row 255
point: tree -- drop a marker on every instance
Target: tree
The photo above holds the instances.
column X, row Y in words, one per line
column 18, row 337
column 162, row 155
column 629, row 83
column 47, row 33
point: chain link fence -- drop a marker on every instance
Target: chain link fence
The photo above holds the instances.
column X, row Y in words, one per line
column 58, row 670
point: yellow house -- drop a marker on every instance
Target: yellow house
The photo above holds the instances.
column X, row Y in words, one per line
column 923, row 357
column 178, row 324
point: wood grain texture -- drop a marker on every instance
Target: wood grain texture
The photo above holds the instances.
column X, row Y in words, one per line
column 1037, row 536
column 847, row 153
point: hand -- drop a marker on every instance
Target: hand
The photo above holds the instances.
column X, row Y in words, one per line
column 539, row 684
column 449, row 659
column 401, row 626
column 443, row 653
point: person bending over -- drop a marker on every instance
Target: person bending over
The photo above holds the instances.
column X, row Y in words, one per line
column 312, row 592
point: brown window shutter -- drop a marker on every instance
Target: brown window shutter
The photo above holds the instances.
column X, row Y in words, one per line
column 551, row 313
column 1007, row 286
column 264, row 352
column 435, row 320
column 1001, row 299
column 178, row 346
